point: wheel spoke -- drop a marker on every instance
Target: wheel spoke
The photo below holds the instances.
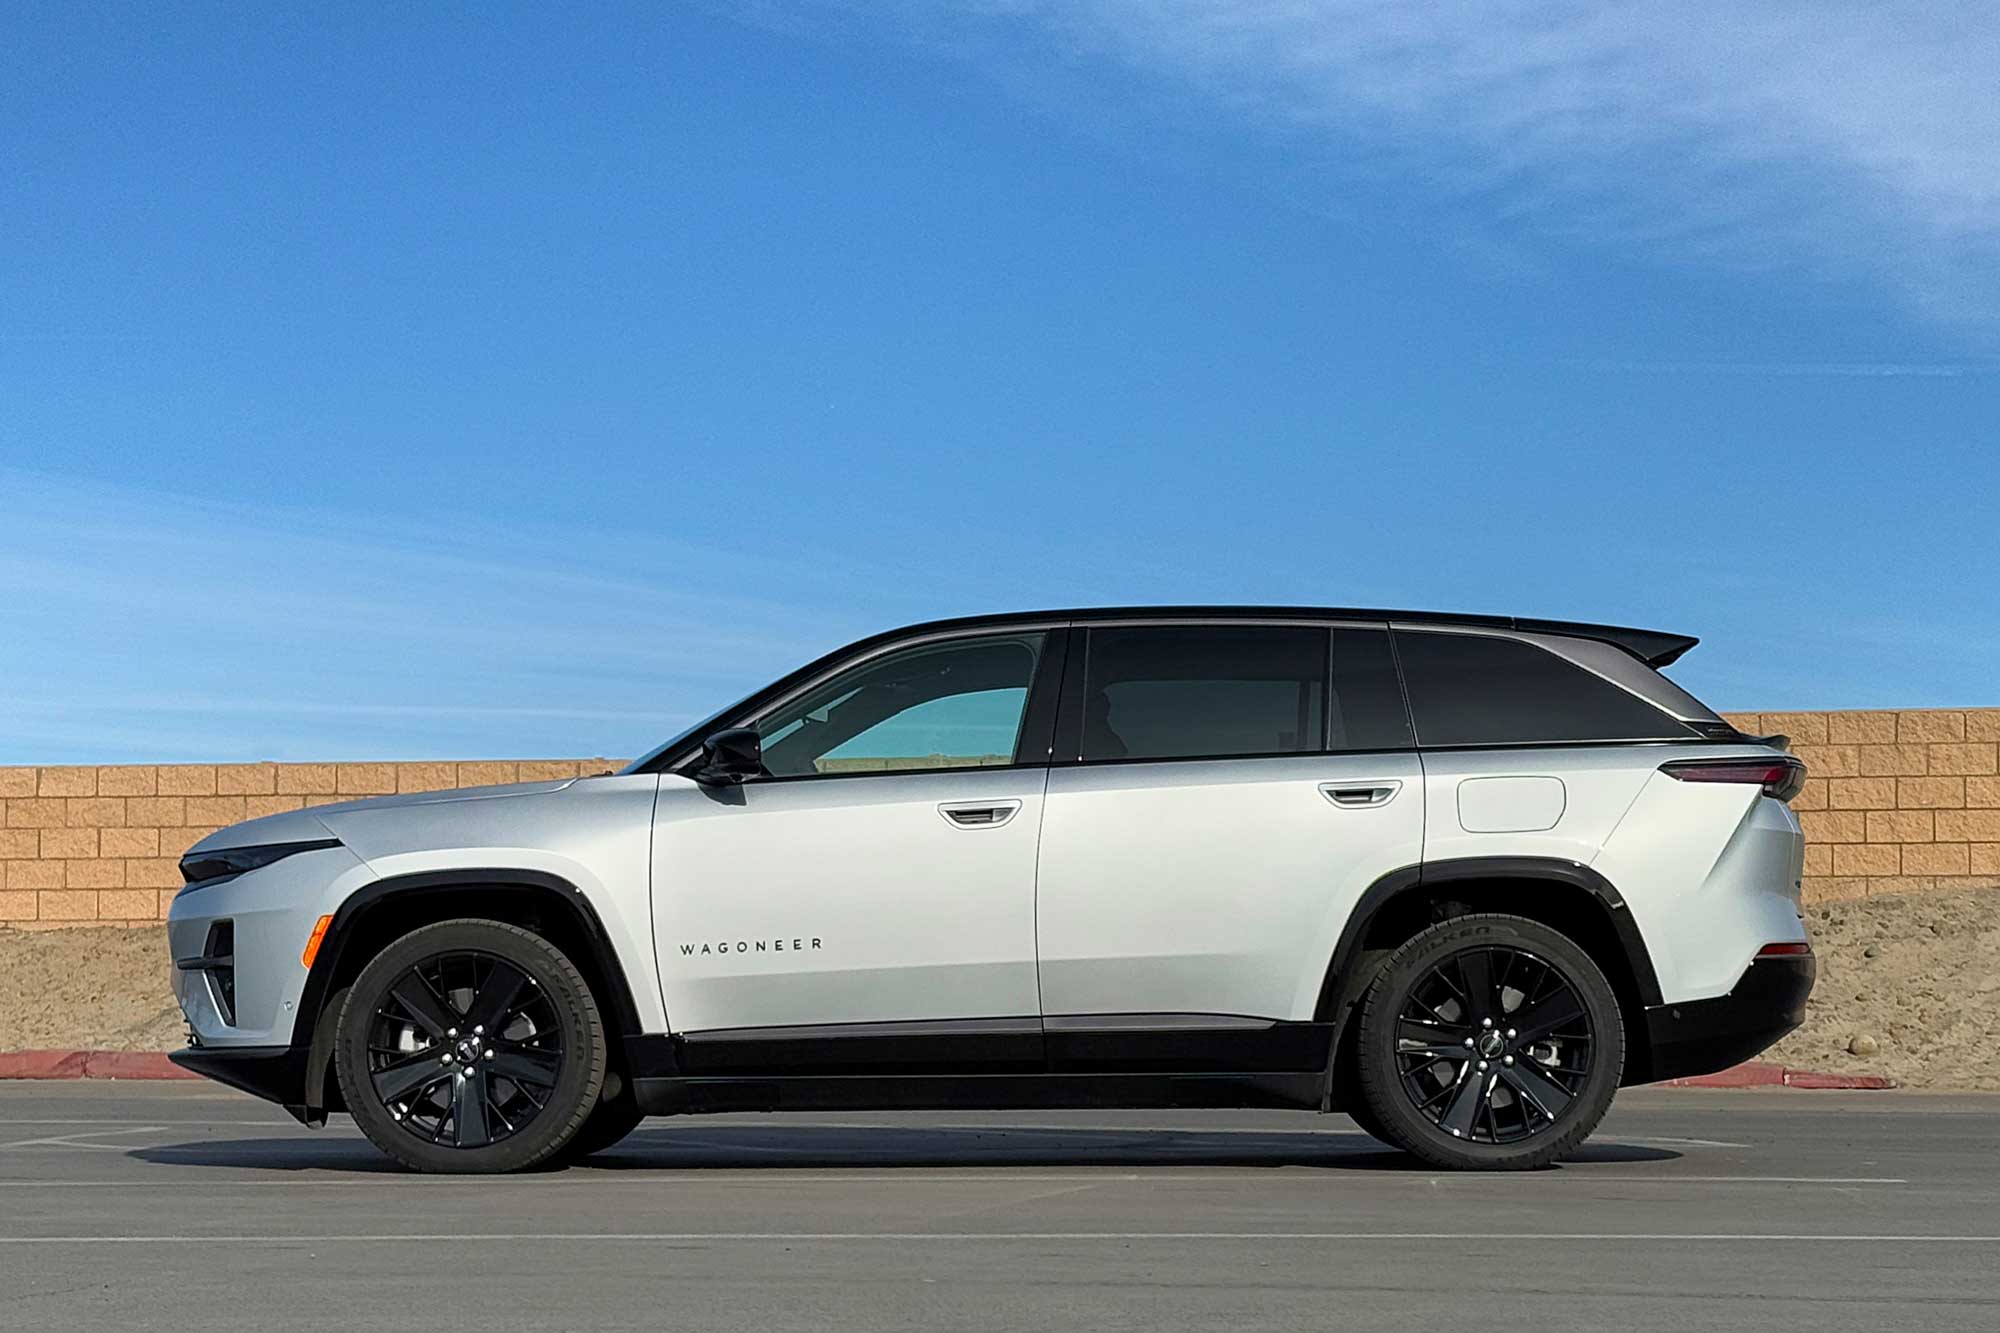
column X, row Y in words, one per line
column 1475, row 969
column 496, row 997
column 525, row 1064
column 1537, row 1088
column 468, row 1112
column 421, row 1002
column 400, row 1080
column 1547, row 1015
column 1473, row 1088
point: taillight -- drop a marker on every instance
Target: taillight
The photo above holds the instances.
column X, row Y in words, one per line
column 1786, row 949
column 1781, row 777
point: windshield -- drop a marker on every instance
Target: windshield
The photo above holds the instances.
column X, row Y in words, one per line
column 645, row 761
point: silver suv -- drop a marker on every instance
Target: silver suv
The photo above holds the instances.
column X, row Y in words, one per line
column 1460, row 877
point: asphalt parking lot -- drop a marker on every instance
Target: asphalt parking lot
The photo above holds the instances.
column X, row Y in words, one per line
column 151, row 1205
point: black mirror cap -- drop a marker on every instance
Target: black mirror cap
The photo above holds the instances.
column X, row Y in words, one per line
column 728, row 757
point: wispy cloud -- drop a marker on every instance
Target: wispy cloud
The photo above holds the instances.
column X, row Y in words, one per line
column 1801, row 369
column 143, row 624
column 1851, row 134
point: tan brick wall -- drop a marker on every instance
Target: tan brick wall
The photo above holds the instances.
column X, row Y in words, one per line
column 96, row 845
column 1898, row 801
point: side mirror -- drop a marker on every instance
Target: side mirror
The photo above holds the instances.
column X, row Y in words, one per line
column 728, row 757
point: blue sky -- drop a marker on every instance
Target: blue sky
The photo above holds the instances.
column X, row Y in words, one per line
column 507, row 381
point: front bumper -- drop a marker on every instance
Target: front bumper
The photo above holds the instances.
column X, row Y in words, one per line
column 1704, row 1036
column 270, row 913
column 275, row 1073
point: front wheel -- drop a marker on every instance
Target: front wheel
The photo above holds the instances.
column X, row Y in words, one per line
column 470, row 1046
column 1490, row 1042
column 613, row 1119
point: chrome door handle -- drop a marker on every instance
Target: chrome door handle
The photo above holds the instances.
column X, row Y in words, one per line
column 1360, row 795
column 979, row 814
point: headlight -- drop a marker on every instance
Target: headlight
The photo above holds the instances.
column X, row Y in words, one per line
column 200, row 868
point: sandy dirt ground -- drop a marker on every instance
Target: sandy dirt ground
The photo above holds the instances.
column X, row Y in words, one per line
column 105, row 988
column 1918, row 977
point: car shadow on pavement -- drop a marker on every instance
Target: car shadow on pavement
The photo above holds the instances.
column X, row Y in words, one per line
column 691, row 1145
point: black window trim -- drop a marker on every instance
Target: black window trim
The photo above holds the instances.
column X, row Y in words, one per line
column 1064, row 731
column 1067, row 748
column 1036, row 715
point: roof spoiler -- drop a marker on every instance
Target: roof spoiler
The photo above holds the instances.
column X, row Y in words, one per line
column 1656, row 648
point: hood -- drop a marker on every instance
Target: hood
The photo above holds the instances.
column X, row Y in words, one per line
column 310, row 824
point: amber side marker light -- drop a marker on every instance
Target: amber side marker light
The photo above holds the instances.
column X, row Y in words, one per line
column 312, row 944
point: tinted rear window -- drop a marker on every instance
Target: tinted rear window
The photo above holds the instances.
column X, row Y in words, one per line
column 1204, row 691
column 1473, row 689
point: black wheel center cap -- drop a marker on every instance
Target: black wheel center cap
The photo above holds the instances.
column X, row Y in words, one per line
column 468, row 1049
column 1491, row 1044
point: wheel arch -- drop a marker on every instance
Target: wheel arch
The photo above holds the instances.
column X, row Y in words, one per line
column 389, row 908
column 1564, row 895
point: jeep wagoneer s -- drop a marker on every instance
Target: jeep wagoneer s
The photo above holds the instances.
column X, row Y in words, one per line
column 1459, row 877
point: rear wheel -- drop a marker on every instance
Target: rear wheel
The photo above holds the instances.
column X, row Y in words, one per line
column 470, row 1046
column 1490, row 1042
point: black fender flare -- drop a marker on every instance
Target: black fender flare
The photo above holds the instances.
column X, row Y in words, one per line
column 1341, row 989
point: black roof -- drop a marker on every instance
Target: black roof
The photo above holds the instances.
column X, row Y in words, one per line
column 1654, row 647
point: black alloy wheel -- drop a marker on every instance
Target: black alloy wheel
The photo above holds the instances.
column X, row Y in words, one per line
column 464, row 1050
column 1490, row 1041
column 470, row 1046
column 1494, row 1044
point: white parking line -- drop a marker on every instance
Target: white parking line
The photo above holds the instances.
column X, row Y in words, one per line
column 125, row 1119
column 74, row 1140
column 990, row 1237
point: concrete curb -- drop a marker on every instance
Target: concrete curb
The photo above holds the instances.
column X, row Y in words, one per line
column 1759, row 1075
column 89, row 1064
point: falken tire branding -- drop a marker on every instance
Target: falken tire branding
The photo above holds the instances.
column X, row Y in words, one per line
column 798, row 944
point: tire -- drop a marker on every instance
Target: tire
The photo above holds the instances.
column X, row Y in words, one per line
column 402, row 1044
column 1347, row 1088
column 1496, row 1027
column 1363, row 1116
column 609, row 1123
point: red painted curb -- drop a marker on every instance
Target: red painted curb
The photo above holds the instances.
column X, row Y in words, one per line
column 89, row 1064
column 1806, row 1078
column 1758, row 1075
column 41, row 1064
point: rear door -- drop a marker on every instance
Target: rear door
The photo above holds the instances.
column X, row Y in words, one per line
column 1223, row 794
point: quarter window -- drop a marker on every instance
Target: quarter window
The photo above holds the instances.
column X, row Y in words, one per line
column 956, row 704
column 1190, row 692
column 1478, row 689
column 1368, row 711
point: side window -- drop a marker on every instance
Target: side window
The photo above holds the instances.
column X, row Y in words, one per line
column 1367, row 712
column 956, row 704
column 1204, row 691
column 1476, row 689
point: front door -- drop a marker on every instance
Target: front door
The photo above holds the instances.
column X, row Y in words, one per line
column 871, row 901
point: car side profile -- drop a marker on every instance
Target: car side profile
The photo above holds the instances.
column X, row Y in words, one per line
column 1460, row 877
